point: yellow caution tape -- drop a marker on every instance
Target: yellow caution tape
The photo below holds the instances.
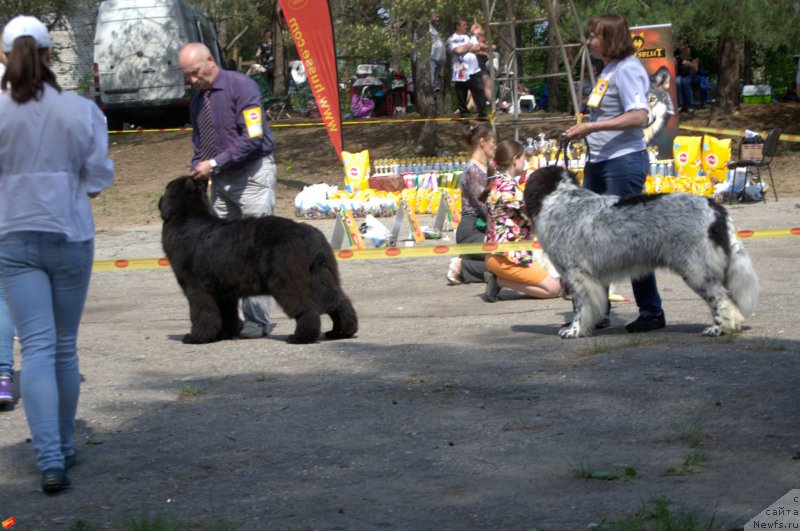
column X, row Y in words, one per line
column 133, row 263
column 418, row 251
column 274, row 125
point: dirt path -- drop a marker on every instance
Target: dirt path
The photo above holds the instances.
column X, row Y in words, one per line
column 445, row 412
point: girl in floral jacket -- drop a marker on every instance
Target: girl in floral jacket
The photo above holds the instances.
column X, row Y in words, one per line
column 518, row 270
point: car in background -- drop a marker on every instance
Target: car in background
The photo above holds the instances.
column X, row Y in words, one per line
column 136, row 72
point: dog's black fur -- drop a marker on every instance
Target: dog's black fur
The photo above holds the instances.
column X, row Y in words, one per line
column 217, row 262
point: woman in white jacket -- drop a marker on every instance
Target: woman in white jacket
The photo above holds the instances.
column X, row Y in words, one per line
column 53, row 158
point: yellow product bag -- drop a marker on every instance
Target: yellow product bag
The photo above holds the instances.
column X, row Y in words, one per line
column 650, row 185
column 682, row 184
column 356, row 170
column 719, row 175
column 659, row 184
column 686, row 151
column 423, row 200
column 689, row 172
column 702, row 186
column 409, row 195
column 667, row 184
column 436, row 199
column 716, row 154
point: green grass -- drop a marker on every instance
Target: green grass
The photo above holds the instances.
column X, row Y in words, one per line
column 584, row 471
column 163, row 523
column 693, row 434
column 187, row 391
column 692, row 464
column 765, row 343
column 657, row 516
column 595, row 346
column 156, row 523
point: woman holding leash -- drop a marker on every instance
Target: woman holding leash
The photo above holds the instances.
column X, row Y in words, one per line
column 617, row 150
column 508, row 222
column 53, row 157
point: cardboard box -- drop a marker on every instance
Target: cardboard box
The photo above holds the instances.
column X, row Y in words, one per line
column 751, row 152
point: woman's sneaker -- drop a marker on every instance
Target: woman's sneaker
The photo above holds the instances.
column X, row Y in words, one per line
column 454, row 273
column 54, row 480
column 6, row 390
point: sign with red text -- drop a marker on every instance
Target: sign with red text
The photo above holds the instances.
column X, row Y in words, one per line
column 310, row 24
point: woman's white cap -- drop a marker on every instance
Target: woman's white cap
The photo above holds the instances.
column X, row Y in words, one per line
column 25, row 26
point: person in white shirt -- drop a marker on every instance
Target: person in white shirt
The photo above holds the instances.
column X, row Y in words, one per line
column 53, row 158
column 467, row 75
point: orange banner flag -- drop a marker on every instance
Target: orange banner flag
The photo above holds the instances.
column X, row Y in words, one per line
column 312, row 31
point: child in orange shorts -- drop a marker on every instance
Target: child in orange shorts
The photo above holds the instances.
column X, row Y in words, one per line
column 517, row 270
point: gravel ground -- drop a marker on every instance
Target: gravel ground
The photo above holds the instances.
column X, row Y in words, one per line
column 445, row 412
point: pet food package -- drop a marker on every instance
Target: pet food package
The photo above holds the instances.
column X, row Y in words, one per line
column 356, row 170
column 702, row 185
column 715, row 157
column 374, row 231
column 659, row 184
column 686, row 150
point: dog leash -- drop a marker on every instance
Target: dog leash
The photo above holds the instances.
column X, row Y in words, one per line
column 563, row 145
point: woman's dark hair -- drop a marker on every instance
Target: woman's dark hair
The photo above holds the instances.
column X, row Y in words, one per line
column 473, row 134
column 27, row 71
column 613, row 31
column 507, row 151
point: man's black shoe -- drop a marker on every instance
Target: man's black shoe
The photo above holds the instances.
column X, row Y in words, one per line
column 646, row 323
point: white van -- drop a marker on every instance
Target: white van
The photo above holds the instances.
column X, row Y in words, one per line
column 136, row 46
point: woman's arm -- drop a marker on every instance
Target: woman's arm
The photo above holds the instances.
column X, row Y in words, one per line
column 633, row 119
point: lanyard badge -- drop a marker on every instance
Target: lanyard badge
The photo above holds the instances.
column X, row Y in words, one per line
column 597, row 94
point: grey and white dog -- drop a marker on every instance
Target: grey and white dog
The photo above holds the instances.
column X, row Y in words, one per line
column 593, row 240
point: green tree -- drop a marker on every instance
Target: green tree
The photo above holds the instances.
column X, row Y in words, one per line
column 718, row 27
column 51, row 12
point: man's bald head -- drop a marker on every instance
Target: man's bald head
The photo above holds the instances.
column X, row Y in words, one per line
column 198, row 65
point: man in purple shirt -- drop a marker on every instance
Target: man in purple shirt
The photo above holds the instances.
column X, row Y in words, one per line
column 234, row 148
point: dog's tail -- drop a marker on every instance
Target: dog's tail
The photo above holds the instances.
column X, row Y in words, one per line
column 740, row 277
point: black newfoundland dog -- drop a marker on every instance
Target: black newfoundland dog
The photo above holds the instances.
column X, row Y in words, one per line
column 217, row 262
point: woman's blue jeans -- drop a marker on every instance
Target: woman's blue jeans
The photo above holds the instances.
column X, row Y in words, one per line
column 623, row 176
column 6, row 337
column 46, row 279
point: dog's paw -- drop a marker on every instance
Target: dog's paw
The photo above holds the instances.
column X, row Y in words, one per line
column 712, row 331
column 571, row 332
column 189, row 339
column 300, row 340
column 335, row 334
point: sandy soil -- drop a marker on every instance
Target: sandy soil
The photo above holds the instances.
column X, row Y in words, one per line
column 146, row 161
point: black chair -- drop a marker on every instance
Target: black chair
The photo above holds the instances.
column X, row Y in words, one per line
column 770, row 146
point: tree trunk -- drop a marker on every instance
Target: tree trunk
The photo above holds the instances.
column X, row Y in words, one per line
column 747, row 66
column 728, row 84
column 425, row 99
column 280, row 72
column 553, row 67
